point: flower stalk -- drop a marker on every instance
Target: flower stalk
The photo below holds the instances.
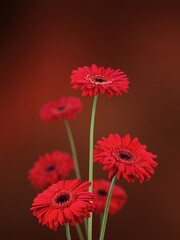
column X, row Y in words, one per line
column 81, row 237
column 91, row 160
column 77, row 171
column 68, row 235
column 73, row 148
column 104, row 221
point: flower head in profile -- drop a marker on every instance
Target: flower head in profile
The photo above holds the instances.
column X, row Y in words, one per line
column 125, row 158
column 64, row 202
column 118, row 198
column 64, row 108
column 50, row 168
column 93, row 80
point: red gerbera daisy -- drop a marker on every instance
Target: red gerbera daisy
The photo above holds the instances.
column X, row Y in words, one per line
column 63, row 108
column 64, row 202
column 93, row 80
column 50, row 168
column 118, row 199
column 125, row 157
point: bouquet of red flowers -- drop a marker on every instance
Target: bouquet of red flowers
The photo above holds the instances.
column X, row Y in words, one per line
column 73, row 202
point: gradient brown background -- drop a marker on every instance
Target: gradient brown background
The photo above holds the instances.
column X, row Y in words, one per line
column 41, row 43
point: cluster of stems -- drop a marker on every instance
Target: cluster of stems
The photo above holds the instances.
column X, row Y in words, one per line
column 88, row 224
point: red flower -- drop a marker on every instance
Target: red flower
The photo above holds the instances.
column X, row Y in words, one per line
column 63, row 108
column 64, row 202
column 93, row 80
column 125, row 157
column 50, row 168
column 118, row 199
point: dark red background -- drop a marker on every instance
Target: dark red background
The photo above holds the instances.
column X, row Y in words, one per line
column 41, row 43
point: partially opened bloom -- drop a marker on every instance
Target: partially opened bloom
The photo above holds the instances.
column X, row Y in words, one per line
column 118, row 198
column 50, row 168
column 64, row 202
column 93, row 80
column 64, row 108
column 125, row 158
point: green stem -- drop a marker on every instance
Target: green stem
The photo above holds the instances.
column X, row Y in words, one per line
column 108, row 201
column 91, row 160
column 92, row 141
column 86, row 225
column 79, row 232
column 76, row 165
column 73, row 148
column 68, row 235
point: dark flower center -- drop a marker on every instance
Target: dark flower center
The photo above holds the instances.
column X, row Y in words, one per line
column 50, row 168
column 102, row 192
column 99, row 80
column 62, row 198
column 61, row 108
column 126, row 156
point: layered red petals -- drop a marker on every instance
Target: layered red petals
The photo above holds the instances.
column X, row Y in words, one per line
column 94, row 80
column 63, row 108
column 101, row 189
column 125, row 158
column 64, row 202
column 50, row 168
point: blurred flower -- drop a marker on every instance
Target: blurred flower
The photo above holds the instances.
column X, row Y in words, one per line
column 93, row 80
column 50, row 168
column 118, row 199
column 125, row 157
column 64, row 202
column 63, row 108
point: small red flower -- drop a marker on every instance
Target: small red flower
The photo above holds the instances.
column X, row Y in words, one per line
column 118, row 199
column 50, row 168
column 125, row 157
column 63, row 108
column 64, row 202
column 93, row 80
